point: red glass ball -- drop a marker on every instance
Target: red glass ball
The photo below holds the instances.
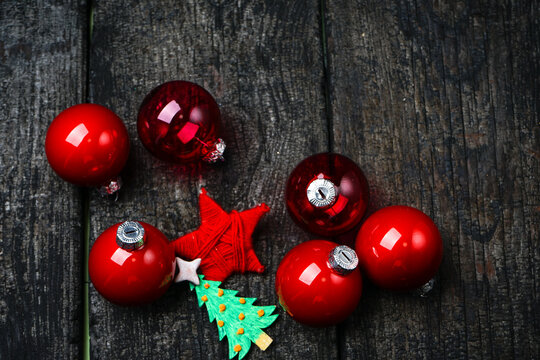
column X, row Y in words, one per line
column 311, row 291
column 131, row 276
column 399, row 248
column 178, row 121
column 87, row 145
column 327, row 194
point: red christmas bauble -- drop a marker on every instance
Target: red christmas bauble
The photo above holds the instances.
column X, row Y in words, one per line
column 399, row 248
column 318, row 283
column 87, row 145
column 131, row 263
column 327, row 194
column 179, row 121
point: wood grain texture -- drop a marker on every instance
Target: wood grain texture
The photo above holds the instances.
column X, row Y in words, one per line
column 42, row 71
column 262, row 62
column 438, row 103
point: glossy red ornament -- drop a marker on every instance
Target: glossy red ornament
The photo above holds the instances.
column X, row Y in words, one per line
column 327, row 194
column 178, row 121
column 399, row 248
column 318, row 283
column 131, row 263
column 87, row 145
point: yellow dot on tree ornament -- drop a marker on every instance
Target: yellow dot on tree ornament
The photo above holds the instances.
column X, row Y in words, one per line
column 220, row 323
column 242, row 300
column 204, row 298
column 237, row 348
column 222, row 307
column 241, row 316
column 240, row 331
column 260, row 312
column 206, row 286
column 220, row 292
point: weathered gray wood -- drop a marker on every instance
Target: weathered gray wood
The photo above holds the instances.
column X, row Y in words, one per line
column 41, row 73
column 262, row 62
column 438, row 103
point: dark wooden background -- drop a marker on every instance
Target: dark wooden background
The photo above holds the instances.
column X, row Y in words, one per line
column 437, row 101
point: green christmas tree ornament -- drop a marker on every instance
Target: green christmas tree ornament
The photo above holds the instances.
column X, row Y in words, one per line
column 223, row 245
column 236, row 317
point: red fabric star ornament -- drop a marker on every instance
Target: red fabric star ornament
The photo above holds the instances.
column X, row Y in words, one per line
column 223, row 241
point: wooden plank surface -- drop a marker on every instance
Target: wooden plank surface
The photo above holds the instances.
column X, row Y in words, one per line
column 262, row 62
column 42, row 71
column 438, row 102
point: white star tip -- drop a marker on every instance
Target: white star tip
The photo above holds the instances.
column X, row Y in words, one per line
column 187, row 270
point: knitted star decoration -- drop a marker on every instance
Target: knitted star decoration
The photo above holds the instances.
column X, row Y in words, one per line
column 223, row 240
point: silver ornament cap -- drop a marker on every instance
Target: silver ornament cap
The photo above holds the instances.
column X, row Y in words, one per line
column 425, row 290
column 130, row 235
column 112, row 187
column 321, row 192
column 215, row 152
column 343, row 259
